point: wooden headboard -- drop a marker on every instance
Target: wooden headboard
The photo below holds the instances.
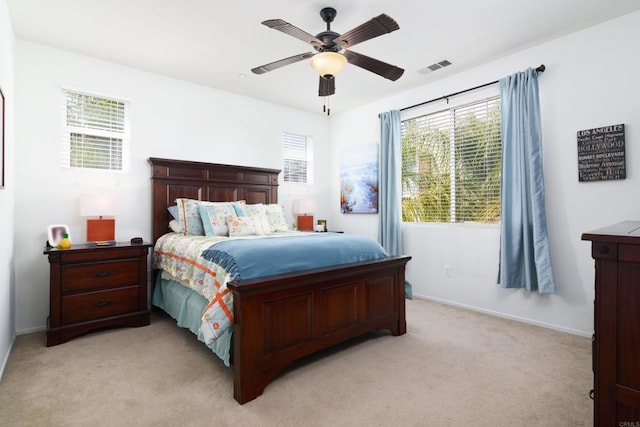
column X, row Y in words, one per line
column 171, row 179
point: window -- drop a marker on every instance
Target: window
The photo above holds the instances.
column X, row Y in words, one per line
column 95, row 132
column 298, row 158
column 451, row 165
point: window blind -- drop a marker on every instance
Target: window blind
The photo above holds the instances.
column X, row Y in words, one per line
column 95, row 131
column 297, row 156
column 451, row 164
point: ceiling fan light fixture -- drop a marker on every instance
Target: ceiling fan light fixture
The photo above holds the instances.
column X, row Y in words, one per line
column 328, row 63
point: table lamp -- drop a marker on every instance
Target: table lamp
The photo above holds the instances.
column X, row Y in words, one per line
column 304, row 209
column 100, row 230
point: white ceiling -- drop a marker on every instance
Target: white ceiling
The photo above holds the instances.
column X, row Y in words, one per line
column 217, row 43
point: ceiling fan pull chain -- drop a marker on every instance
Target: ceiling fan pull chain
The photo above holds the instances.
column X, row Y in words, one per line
column 326, row 108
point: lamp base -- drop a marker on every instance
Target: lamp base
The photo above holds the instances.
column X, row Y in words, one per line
column 305, row 222
column 101, row 230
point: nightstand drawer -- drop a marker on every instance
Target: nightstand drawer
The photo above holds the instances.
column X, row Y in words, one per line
column 99, row 275
column 95, row 305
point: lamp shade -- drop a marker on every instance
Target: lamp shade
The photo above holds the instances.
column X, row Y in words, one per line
column 99, row 205
column 328, row 63
column 304, row 206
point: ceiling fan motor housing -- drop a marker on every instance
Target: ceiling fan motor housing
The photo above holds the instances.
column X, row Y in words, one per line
column 327, row 37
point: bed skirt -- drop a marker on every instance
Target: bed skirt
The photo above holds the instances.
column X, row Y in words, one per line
column 186, row 307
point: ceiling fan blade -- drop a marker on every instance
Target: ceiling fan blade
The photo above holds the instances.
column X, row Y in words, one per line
column 327, row 86
column 281, row 63
column 375, row 27
column 287, row 28
column 383, row 69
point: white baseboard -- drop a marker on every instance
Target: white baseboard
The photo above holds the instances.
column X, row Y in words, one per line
column 508, row 316
column 6, row 357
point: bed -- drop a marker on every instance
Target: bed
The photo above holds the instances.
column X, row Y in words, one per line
column 281, row 318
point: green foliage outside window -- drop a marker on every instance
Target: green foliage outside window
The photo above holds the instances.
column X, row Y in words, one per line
column 452, row 165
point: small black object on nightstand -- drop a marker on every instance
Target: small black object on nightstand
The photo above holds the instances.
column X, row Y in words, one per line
column 136, row 241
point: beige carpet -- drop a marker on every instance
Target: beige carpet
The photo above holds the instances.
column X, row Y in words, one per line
column 453, row 368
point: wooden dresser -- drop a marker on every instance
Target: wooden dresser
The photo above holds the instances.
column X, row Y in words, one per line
column 96, row 287
column 616, row 341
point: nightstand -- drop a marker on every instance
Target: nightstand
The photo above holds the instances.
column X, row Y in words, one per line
column 96, row 287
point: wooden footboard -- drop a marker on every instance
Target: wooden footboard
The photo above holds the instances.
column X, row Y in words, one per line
column 284, row 318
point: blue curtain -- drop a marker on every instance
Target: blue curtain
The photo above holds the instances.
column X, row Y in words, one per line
column 390, row 188
column 525, row 259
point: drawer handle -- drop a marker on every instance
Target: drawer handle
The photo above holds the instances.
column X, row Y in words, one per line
column 102, row 303
column 103, row 274
column 603, row 249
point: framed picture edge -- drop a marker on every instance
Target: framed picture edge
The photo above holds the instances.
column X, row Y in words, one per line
column 55, row 232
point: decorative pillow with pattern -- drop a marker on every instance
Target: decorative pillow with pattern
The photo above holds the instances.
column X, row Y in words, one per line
column 189, row 216
column 241, row 226
column 238, row 206
column 214, row 220
column 213, row 215
column 221, row 208
column 242, row 209
column 277, row 220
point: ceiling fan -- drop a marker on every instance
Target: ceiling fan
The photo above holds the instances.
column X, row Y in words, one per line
column 331, row 54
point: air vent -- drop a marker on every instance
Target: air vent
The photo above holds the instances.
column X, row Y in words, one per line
column 434, row 67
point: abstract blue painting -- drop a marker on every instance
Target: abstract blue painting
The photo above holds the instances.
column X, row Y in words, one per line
column 359, row 179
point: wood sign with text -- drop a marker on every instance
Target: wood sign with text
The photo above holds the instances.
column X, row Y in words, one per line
column 601, row 153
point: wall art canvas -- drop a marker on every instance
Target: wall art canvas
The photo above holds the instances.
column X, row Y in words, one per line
column 359, row 179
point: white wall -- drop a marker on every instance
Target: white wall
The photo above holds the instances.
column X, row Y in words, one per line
column 7, row 194
column 591, row 81
column 170, row 119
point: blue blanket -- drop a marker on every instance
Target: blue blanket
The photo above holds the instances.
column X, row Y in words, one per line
column 249, row 258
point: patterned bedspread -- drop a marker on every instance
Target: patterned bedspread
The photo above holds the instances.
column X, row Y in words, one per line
column 179, row 257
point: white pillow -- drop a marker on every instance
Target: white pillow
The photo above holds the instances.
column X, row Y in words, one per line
column 263, row 228
column 174, row 225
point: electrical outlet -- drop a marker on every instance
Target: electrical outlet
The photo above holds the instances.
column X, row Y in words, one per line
column 447, row 271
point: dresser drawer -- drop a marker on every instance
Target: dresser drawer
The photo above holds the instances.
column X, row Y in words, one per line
column 99, row 275
column 95, row 305
column 629, row 253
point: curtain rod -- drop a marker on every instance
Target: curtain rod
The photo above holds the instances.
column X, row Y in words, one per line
column 539, row 70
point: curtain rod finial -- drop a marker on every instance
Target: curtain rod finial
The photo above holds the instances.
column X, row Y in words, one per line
column 541, row 68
